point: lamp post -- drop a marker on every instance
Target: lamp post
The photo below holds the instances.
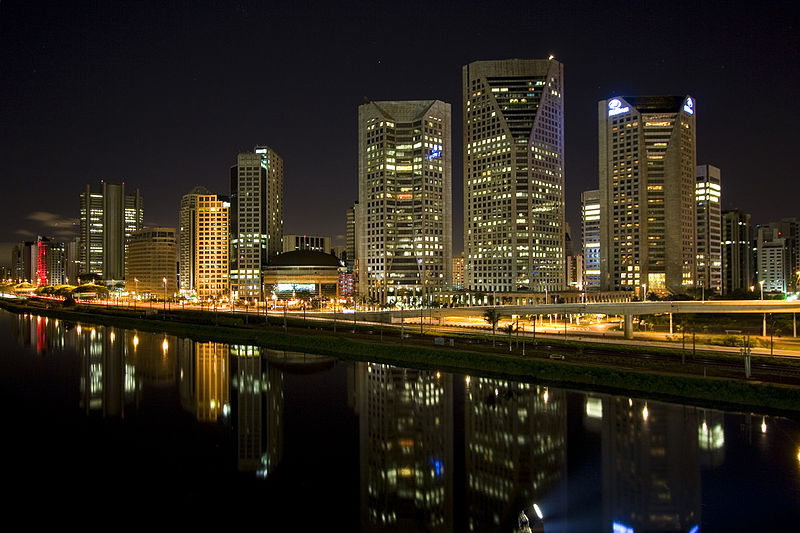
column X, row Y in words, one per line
column 164, row 279
column 764, row 327
column 136, row 293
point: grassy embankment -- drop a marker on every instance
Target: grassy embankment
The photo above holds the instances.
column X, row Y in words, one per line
column 469, row 359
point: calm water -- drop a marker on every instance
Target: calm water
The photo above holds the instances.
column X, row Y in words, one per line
column 114, row 423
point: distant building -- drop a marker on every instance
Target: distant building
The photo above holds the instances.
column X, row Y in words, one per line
column 151, row 266
column 458, row 272
column 787, row 229
column 306, row 242
column 709, row 227
column 40, row 262
column 302, row 274
column 575, row 269
column 404, row 227
column 513, row 142
column 737, row 263
column 256, row 219
column 773, row 258
column 647, row 167
column 108, row 218
column 212, row 244
column 590, row 238
column 186, row 239
column 351, row 219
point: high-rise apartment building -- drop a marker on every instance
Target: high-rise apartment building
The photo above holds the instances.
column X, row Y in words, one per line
column 186, row 243
column 256, row 219
column 211, row 244
column 458, row 272
column 151, row 265
column 787, row 229
column 107, row 220
column 647, row 164
column 40, row 262
column 513, row 132
column 404, row 224
column 737, row 257
column 708, row 190
column 590, row 238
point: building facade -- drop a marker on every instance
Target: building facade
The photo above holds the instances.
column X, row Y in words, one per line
column 513, row 141
column 151, row 265
column 708, row 192
column 647, row 164
column 773, row 260
column 108, row 218
column 458, row 272
column 306, row 242
column 186, row 240
column 351, row 234
column 211, row 247
column 737, row 257
column 40, row 262
column 256, row 219
column 787, row 229
column 590, row 238
column 404, row 223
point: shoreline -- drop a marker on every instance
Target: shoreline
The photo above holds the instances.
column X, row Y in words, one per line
column 720, row 392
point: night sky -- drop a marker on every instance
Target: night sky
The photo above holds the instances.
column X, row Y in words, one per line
column 164, row 95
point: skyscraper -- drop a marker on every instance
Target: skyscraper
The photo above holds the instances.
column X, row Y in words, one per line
column 186, row 242
column 513, row 175
column 647, row 169
column 709, row 228
column 211, row 244
column 256, row 219
column 737, row 256
column 107, row 220
column 590, row 238
column 404, row 224
column 351, row 216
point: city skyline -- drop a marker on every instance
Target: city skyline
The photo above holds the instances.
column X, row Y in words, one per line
column 80, row 84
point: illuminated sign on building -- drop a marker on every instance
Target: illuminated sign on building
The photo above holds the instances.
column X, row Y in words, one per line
column 295, row 287
column 615, row 107
column 689, row 106
column 436, row 153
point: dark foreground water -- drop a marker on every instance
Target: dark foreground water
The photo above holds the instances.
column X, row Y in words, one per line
column 102, row 426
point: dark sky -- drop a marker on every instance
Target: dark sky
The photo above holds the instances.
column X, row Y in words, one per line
column 163, row 95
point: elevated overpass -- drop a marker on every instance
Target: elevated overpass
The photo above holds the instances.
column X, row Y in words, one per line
column 628, row 310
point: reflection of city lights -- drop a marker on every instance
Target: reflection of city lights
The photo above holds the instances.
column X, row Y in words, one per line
column 78, row 329
column 165, row 346
column 496, row 392
column 630, row 402
column 645, row 413
column 213, row 404
column 135, row 341
column 438, row 375
column 92, row 330
column 711, row 438
column 468, row 380
column 112, row 337
column 538, row 511
column 594, row 408
column 56, row 323
column 546, row 395
column 763, row 424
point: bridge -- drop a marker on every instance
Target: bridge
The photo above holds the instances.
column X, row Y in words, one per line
column 627, row 310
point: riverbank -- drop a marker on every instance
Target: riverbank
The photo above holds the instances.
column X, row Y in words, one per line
column 473, row 355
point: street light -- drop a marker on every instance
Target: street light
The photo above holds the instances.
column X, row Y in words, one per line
column 764, row 327
column 135, row 294
column 762, row 288
column 164, row 279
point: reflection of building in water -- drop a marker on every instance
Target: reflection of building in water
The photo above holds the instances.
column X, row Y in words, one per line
column 711, row 438
column 651, row 466
column 42, row 333
column 108, row 379
column 153, row 355
column 257, row 409
column 212, row 380
column 406, row 448
column 516, row 436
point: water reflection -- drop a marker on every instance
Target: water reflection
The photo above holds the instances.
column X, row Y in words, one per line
column 438, row 452
column 406, row 448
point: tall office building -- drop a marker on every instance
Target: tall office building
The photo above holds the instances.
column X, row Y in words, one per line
column 256, row 219
column 514, row 175
column 351, row 217
column 708, row 190
column 40, row 262
column 107, row 220
column 458, row 272
column 151, row 263
column 737, row 257
column 404, row 229
column 647, row 164
column 211, row 244
column 774, row 259
column 590, row 238
column 186, row 243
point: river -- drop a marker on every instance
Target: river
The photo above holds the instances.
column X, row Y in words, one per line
column 124, row 422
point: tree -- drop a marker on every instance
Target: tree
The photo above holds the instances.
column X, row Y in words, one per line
column 492, row 316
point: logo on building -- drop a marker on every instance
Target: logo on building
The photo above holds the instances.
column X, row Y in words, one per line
column 615, row 107
column 689, row 106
